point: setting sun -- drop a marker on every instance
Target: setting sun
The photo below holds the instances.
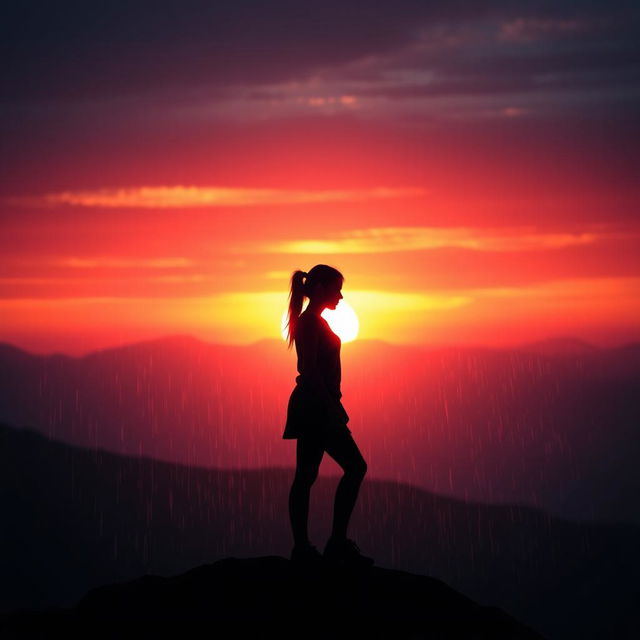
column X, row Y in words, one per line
column 343, row 321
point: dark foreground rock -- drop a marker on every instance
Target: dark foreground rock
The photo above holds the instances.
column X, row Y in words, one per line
column 257, row 597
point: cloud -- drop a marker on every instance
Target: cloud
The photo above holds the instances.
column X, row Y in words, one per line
column 278, row 275
column 566, row 291
column 528, row 29
column 123, row 263
column 192, row 196
column 375, row 301
column 87, row 50
column 142, row 48
column 53, row 280
column 394, row 239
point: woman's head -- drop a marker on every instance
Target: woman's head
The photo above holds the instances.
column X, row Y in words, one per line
column 321, row 284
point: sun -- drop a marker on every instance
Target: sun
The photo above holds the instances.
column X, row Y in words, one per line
column 343, row 321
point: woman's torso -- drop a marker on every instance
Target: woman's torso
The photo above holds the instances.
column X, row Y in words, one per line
column 328, row 355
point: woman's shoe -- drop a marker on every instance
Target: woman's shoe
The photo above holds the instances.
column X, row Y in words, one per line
column 306, row 554
column 345, row 552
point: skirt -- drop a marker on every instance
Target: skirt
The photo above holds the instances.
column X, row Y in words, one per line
column 306, row 415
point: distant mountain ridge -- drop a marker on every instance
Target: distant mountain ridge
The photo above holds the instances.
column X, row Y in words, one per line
column 553, row 345
column 560, row 346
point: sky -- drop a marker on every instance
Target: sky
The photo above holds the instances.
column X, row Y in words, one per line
column 471, row 169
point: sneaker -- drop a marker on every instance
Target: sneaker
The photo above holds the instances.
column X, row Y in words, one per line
column 306, row 554
column 346, row 552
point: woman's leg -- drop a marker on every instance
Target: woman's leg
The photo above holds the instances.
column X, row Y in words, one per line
column 343, row 449
column 309, row 452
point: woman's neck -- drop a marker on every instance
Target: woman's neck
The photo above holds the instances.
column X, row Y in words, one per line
column 315, row 309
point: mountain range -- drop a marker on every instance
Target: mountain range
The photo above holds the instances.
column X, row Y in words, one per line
column 553, row 424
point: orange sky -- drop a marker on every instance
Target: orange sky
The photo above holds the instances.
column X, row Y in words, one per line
column 88, row 269
column 467, row 199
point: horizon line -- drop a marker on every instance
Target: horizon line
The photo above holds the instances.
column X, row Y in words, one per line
column 428, row 346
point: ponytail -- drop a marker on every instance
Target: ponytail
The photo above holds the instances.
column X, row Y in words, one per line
column 296, row 296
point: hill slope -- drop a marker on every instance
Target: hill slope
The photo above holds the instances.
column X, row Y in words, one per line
column 75, row 519
column 272, row 596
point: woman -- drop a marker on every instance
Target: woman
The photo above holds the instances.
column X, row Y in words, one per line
column 317, row 419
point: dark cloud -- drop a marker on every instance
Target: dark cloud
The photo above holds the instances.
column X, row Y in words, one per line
column 80, row 49
column 71, row 49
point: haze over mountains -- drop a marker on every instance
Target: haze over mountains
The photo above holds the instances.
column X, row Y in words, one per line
column 553, row 424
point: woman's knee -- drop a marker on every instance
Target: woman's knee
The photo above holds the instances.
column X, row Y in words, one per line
column 357, row 469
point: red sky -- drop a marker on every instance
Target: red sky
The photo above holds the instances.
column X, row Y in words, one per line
column 472, row 174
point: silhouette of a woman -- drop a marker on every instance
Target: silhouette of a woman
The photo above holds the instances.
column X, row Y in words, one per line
column 317, row 419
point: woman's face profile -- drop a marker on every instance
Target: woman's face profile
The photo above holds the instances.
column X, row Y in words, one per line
column 327, row 294
column 333, row 294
